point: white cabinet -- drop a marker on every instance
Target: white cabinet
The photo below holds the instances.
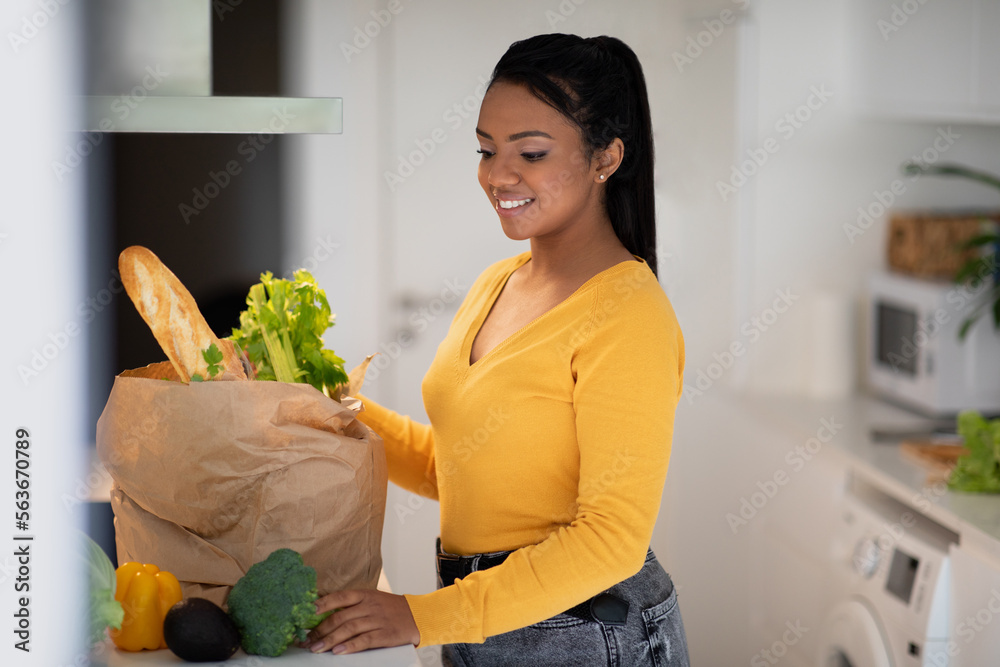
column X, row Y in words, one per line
column 988, row 63
column 926, row 60
column 974, row 609
column 791, row 557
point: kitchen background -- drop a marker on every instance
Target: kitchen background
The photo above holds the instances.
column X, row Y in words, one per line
column 780, row 129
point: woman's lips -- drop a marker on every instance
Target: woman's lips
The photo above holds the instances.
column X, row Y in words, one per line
column 511, row 207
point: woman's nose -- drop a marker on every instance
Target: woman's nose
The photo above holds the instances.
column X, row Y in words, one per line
column 502, row 173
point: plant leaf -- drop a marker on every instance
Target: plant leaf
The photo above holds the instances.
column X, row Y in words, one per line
column 979, row 470
column 282, row 331
column 975, row 270
column 104, row 610
column 212, row 357
column 980, row 240
column 913, row 168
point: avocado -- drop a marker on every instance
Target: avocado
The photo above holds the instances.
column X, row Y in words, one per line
column 198, row 630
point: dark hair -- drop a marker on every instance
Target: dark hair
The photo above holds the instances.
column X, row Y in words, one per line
column 597, row 82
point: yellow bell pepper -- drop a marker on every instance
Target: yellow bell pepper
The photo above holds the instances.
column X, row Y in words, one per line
column 146, row 594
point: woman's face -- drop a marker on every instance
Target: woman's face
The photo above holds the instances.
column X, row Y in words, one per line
column 533, row 167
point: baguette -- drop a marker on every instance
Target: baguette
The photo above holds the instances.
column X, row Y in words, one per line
column 173, row 316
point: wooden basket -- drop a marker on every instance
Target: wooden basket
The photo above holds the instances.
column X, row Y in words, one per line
column 938, row 460
column 926, row 245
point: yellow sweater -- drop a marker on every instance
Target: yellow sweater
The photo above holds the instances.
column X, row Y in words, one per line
column 555, row 443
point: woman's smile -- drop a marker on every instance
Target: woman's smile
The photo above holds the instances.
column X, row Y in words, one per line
column 512, row 207
column 503, row 203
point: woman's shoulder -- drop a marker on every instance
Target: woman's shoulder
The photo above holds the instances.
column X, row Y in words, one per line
column 630, row 295
column 632, row 280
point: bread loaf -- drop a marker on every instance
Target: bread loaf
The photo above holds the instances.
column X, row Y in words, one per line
column 173, row 316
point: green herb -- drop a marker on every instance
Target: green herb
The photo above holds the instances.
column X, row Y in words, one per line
column 213, row 357
column 979, row 470
column 282, row 332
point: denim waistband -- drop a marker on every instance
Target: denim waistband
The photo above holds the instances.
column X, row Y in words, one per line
column 598, row 608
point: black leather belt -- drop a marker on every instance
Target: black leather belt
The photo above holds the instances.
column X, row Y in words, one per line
column 602, row 608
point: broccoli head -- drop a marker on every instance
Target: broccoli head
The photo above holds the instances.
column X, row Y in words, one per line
column 273, row 605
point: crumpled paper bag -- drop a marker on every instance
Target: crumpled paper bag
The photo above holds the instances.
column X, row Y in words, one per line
column 211, row 477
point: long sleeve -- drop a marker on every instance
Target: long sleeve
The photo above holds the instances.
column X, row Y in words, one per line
column 572, row 474
column 409, row 448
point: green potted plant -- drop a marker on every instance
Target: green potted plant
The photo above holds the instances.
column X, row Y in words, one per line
column 977, row 470
column 983, row 266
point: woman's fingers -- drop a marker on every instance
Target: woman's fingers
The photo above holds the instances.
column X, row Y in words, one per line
column 350, row 633
column 363, row 619
column 339, row 599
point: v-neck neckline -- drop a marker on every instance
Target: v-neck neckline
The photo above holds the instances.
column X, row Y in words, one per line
column 484, row 313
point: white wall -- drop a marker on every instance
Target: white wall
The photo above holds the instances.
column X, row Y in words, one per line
column 44, row 339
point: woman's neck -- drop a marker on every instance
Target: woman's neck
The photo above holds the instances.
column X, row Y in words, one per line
column 581, row 254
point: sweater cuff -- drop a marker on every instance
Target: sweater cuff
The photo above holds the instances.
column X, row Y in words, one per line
column 440, row 621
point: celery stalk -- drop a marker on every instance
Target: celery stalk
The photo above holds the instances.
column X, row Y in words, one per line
column 282, row 360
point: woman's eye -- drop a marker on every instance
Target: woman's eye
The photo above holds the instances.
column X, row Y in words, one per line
column 485, row 153
column 533, row 156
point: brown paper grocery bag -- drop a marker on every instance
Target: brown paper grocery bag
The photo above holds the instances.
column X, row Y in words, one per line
column 211, row 477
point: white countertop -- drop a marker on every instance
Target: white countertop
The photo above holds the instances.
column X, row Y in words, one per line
column 974, row 517
column 107, row 654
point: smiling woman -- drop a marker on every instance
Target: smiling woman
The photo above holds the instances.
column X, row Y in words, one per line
column 548, row 494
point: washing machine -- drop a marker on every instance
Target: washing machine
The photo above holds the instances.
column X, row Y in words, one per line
column 891, row 571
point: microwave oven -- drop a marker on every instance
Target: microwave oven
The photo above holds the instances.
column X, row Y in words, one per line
column 914, row 355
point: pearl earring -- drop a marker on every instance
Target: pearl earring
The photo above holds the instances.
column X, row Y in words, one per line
column 602, row 177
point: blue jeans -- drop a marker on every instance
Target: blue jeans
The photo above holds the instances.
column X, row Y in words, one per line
column 653, row 633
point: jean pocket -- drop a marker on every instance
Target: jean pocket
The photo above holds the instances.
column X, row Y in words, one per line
column 560, row 641
column 559, row 621
column 665, row 632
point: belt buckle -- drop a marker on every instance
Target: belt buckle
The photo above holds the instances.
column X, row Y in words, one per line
column 444, row 555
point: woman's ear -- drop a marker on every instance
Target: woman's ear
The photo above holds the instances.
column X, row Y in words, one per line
column 609, row 160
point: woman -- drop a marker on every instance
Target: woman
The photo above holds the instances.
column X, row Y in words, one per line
column 551, row 399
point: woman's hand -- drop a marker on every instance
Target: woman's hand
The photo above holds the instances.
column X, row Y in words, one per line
column 364, row 619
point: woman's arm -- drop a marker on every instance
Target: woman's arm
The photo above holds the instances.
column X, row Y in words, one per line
column 409, row 448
